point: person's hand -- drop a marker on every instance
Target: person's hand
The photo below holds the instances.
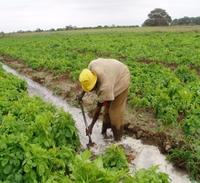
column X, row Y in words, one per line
column 89, row 130
column 79, row 98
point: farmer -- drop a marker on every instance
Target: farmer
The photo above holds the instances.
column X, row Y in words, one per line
column 110, row 79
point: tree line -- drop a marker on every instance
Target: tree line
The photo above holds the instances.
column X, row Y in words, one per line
column 159, row 17
column 70, row 27
column 186, row 21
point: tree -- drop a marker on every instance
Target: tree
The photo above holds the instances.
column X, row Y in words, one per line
column 2, row 34
column 158, row 17
column 68, row 27
column 38, row 30
column 186, row 21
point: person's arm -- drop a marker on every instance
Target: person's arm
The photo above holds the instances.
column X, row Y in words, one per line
column 95, row 118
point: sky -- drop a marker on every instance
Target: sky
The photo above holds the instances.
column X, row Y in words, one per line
column 45, row 14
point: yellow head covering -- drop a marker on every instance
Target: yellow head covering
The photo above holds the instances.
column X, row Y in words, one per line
column 87, row 79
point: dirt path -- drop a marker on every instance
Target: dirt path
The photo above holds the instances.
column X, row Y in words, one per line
column 139, row 123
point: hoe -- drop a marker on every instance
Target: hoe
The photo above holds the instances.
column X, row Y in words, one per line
column 90, row 143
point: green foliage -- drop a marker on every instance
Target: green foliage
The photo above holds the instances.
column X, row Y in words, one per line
column 38, row 143
column 24, row 162
column 71, row 51
column 189, row 154
column 158, row 17
column 152, row 86
column 191, row 125
column 171, row 88
column 114, row 158
column 157, row 87
column 36, row 140
column 149, row 175
column 185, row 74
column 85, row 170
column 96, row 172
column 186, row 21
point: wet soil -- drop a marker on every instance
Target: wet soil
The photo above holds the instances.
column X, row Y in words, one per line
column 140, row 123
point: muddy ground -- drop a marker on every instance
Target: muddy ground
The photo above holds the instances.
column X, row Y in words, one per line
column 140, row 123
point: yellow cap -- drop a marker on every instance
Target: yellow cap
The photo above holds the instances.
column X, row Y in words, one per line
column 87, row 79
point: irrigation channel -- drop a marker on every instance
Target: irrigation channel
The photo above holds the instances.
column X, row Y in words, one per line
column 145, row 155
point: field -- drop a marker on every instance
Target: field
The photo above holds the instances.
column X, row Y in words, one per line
column 39, row 143
column 164, row 66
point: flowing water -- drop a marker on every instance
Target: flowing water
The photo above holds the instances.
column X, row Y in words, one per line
column 145, row 155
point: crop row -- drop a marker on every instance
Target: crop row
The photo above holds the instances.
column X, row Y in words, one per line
column 171, row 47
column 175, row 99
column 170, row 94
column 36, row 140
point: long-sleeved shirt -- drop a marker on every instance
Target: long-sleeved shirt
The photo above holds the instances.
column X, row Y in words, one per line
column 113, row 78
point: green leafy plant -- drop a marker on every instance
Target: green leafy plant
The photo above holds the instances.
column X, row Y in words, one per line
column 149, row 175
column 114, row 158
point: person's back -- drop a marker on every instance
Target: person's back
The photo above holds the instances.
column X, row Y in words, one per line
column 113, row 77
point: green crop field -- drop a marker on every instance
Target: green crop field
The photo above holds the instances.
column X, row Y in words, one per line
column 39, row 143
column 164, row 66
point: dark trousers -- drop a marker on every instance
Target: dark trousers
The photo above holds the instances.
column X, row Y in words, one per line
column 114, row 115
